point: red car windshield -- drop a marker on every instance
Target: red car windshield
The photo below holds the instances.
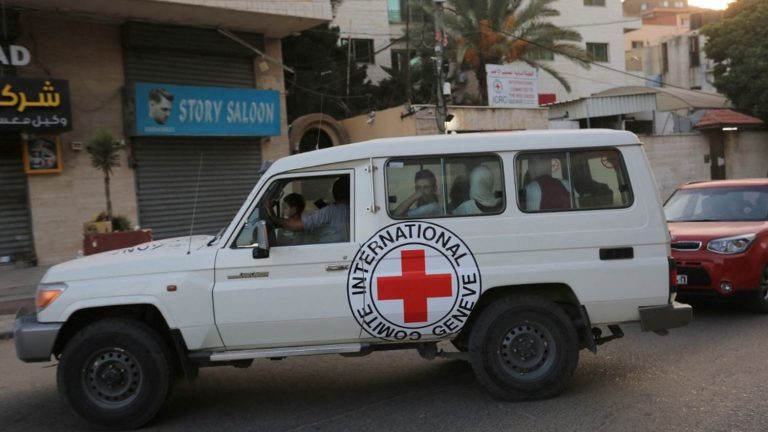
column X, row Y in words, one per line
column 717, row 204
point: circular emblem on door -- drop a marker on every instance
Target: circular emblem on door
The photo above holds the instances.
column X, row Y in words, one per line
column 411, row 281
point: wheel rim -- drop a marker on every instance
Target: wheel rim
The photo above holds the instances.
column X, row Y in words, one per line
column 527, row 350
column 112, row 378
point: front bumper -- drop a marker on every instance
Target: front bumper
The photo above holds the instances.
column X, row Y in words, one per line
column 34, row 340
column 664, row 317
column 706, row 271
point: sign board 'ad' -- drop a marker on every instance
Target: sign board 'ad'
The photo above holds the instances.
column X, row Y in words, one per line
column 512, row 86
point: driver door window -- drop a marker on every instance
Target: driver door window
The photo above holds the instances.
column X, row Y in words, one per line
column 302, row 211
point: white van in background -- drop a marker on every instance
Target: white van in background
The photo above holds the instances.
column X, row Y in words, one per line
column 516, row 247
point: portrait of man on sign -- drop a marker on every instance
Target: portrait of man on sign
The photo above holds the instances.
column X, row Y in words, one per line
column 160, row 105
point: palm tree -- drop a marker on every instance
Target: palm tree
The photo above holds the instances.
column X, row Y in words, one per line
column 503, row 31
column 104, row 156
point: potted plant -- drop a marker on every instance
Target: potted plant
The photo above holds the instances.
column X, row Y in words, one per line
column 106, row 231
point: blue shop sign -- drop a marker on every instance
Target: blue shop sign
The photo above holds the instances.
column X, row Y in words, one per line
column 164, row 109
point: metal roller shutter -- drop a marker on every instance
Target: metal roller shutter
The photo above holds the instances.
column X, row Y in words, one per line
column 15, row 227
column 183, row 55
column 166, row 173
column 167, row 167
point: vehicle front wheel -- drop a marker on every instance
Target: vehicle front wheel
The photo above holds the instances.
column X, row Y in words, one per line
column 523, row 347
column 115, row 374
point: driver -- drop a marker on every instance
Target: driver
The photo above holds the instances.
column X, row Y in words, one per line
column 330, row 224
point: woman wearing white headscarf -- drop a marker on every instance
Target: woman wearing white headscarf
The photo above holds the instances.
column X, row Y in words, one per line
column 482, row 196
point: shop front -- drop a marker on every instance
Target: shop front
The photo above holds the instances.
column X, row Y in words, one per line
column 33, row 114
column 196, row 125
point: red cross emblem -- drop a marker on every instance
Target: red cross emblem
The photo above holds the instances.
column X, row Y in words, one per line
column 414, row 287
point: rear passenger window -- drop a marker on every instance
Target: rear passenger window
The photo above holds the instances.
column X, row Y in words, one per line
column 572, row 180
column 421, row 188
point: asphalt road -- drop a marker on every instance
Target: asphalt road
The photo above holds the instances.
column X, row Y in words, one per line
column 709, row 376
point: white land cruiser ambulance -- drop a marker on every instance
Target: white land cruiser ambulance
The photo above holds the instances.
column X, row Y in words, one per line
column 513, row 246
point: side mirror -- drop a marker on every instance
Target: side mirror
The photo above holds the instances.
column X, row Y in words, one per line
column 262, row 240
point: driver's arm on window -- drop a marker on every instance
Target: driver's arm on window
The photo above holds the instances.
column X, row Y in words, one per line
column 289, row 224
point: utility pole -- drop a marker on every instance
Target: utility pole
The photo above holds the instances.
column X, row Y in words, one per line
column 438, row 64
column 408, row 52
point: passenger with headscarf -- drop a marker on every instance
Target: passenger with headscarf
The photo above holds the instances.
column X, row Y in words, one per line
column 482, row 195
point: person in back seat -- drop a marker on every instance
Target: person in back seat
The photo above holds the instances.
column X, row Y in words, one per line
column 483, row 199
column 545, row 192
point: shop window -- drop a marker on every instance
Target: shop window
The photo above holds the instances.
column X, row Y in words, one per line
column 361, row 50
column 597, row 51
column 422, row 188
column 572, row 180
column 693, row 49
column 542, row 54
column 399, row 59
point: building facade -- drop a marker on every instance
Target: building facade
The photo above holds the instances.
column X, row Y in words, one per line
column 214, row 68
column 601, row 23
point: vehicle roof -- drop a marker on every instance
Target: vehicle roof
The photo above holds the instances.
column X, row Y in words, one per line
column 726, row 183
column 456, row 144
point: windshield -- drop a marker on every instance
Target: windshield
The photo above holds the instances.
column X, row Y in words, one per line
column 718, row 204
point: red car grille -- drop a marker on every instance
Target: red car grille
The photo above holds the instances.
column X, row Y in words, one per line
column 686, row 245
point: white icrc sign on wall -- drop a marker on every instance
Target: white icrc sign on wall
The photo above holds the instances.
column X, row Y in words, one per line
column 512, row 86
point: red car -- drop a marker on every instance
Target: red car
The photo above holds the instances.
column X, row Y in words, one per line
column 720, row 239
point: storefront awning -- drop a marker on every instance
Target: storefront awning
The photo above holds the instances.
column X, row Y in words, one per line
column 719, row 118
column 672, row 99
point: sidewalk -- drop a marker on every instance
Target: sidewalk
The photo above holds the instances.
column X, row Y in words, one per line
column 17, row 289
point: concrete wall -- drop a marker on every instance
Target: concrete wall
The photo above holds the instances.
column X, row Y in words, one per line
column 680, row 158
column 676, row 159
column 269, row 76
column 367, row 19
column 746, row 154
column 387, row 123
column 89, row 55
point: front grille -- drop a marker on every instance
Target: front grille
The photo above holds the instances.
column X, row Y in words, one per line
column 697, row 276
column 686, row 245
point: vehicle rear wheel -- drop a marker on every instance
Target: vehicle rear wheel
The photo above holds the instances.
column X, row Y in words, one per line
column 760, row 301
column 115, row 374
column 523, row 347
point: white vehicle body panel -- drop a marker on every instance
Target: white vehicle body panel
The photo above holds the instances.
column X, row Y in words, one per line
column 300, row 303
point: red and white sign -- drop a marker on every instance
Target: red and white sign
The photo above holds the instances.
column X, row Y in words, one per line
column 412, row 281
column 512, row 86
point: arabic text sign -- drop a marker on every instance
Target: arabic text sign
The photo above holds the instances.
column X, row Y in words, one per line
column 164, row 109
column 40, row 105
column 512, row 86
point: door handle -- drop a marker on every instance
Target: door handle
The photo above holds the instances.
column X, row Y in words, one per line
column 337, row 267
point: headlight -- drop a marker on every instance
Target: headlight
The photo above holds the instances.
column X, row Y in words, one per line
column 731, row 245
column 47, row 293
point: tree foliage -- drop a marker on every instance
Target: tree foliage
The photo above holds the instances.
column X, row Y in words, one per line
column 484, row 32
column 738, row 44
column 104, row 153
column 321, row 80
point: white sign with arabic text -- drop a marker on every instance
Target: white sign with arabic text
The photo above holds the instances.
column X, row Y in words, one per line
column 512, row 86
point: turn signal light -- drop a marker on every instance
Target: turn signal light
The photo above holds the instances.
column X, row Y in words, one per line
column 46, row 294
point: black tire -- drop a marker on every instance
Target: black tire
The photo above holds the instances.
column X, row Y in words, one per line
column 115, row 374
column 759, row 302
column 523, row 347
